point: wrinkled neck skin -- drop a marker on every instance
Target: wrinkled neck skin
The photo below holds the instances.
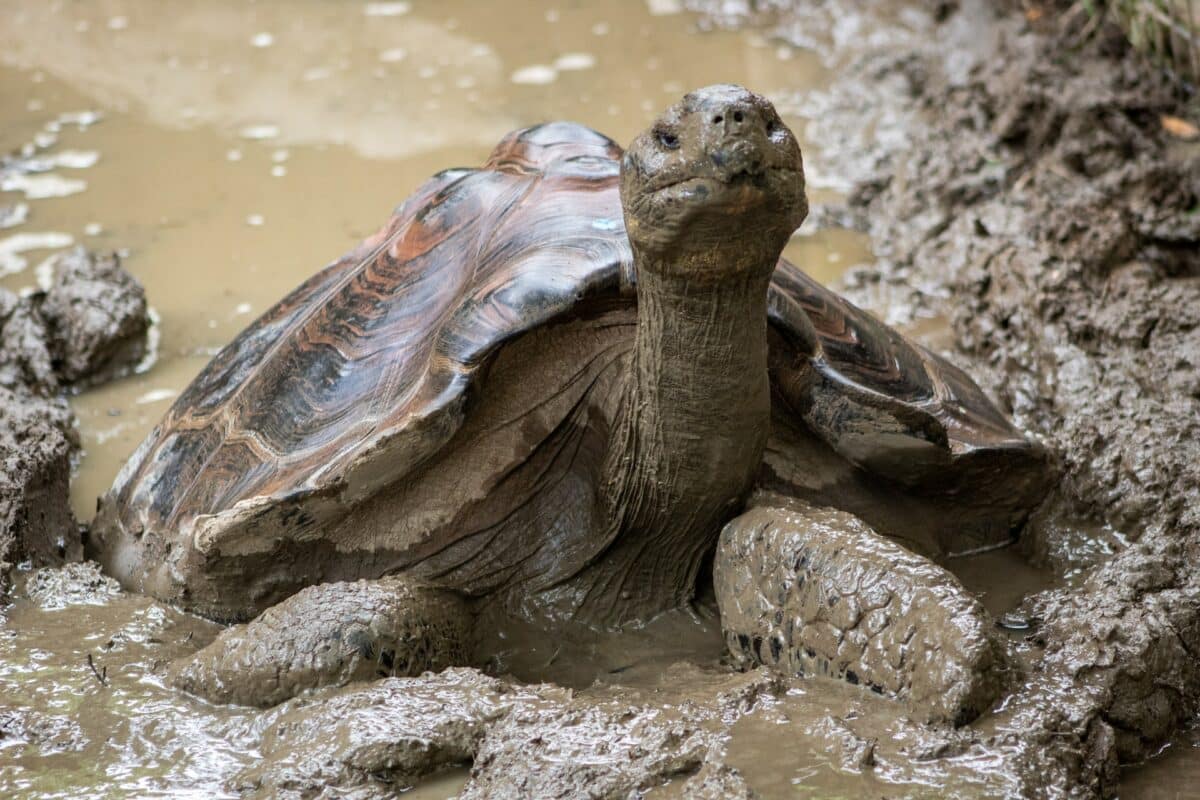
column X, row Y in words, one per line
column 697, row 402
column 689, row 436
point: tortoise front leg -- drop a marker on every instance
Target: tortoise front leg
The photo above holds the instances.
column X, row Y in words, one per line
column 815, row 591
column 330, row 634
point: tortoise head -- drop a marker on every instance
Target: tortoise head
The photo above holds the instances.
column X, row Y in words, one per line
column 715, row 185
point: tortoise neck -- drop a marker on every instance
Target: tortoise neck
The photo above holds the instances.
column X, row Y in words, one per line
column 691, row 432
column 699, row 372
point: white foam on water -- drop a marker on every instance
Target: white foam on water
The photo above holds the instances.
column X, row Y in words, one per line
column 387, row 9
column 43, row 186
column 11, row 260
column 535, row 75
column 663, row 8
column 259, row 132
column 155, row 396
column 14, row 215
column 74, row 159
column 569, row 62
column 82, row 119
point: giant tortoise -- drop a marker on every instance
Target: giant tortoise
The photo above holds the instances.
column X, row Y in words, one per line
column 547, row 383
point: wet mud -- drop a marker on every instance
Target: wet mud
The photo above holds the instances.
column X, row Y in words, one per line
column 1031, row 219
column 524, row 740
column 1016, row 177
column 36, row 522
column 88, row 324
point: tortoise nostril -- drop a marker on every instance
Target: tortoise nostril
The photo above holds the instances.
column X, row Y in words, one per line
column 717, row 120
column 737, row 116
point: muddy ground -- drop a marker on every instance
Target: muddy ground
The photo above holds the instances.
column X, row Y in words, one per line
column 88, row 324
column 1014, row 176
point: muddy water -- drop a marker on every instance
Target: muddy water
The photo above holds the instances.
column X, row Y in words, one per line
column 68, row 730
column 239, row 147
column 127, row 734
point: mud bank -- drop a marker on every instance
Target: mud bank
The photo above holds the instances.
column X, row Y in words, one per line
column 1016, row 178
column 89, row 323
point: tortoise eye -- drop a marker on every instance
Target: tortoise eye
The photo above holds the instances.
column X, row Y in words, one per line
column 667, row 139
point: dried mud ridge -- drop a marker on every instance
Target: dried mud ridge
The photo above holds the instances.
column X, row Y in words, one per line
column 89, row 325
column 1034, row 195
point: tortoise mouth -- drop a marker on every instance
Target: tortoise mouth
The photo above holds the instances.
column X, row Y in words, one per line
column 761, row 180
column 733, row 210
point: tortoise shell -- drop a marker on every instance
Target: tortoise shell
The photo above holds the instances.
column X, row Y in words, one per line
column 368, row 369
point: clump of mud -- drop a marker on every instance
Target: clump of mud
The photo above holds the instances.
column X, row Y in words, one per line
column 524, row 740
column 97, row 318
column 90, row 325
column 36, row 444
column 1017, row 178
column 77, row 583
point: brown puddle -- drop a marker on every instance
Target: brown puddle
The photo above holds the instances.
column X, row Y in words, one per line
column 241, row 148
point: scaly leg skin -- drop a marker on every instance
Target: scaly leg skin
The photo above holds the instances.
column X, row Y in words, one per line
column 815, row 591
column 330, row 634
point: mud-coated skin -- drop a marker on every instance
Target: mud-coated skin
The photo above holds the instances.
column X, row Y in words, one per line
column 330, row 634
column 308, row 451
column 814, row 591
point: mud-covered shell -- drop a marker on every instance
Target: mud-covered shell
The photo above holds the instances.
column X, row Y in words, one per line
column 367, row 369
